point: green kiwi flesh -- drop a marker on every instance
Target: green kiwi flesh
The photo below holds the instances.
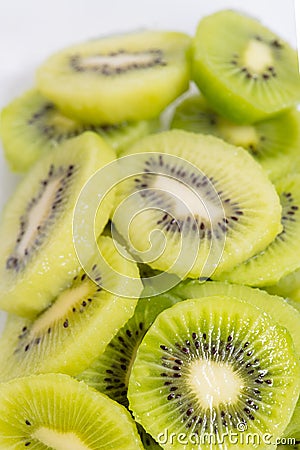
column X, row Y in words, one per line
column 110, row 373
column 281, row 257
column 31, row 125
column 288, row 286
column 54, row 411
column 246, row 71
column 208, row 172
column 274, row 142
column 256, row 385
column 36, row 238
column 69, row 335
column 126, row 77
column 276, row 307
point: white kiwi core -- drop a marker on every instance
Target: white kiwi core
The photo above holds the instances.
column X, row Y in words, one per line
column 186, row 200
column 258, row 57
column 214, row 383
column 119, row 60
column 59, row 441
column 38, row 214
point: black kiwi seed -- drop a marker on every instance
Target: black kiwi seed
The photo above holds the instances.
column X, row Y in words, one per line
column 147, row 59
column 18, row 260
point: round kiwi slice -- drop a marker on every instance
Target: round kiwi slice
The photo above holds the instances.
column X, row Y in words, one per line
column 209, row 368
column 246, row 71
column 125, row 77
column 274, row 142
column 69, row 335
column 36, row 240
column 278, row 308
column 199, row 192
column 54, row 411
column 281, row 257
column 111, row 371
column 31, row 125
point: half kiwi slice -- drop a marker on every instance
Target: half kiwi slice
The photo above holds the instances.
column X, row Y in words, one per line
column 54, row 411
column 36, row 240
column 281, row 257
column 199, row 192
column 70, row 334
column 246, row 71
column 252, row 363
column 274, row 142
column 110, row 373
column 124, row 77
column 31, row 125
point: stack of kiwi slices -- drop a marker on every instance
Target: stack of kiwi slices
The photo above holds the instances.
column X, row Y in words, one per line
column 150, row 270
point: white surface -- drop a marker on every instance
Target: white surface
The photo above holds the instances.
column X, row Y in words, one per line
column 31, row 30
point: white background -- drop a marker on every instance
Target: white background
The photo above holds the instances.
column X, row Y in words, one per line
column 31, row 29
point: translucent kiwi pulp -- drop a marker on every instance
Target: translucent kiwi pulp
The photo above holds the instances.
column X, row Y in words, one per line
column 69, row 335
column 288, row 286
column 255, row 385
column 36, row 240
column 199, row 191
column 111, row 371
column 281, row 257
column 31, row 125
column 274, row 142
column 54, row 411
column 246, row 71
column 125, row 77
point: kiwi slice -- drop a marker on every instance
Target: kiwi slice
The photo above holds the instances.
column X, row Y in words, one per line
column 124, row 77
column 245, row 70
column 281, row 257
column 252, row 363
column 32, row 125
column 276, row 307
column 69, row 335
column 36, row 240
column 279, row 309
column 199, row 191
column 274, row 142
column 111, row 371
column 54, row 411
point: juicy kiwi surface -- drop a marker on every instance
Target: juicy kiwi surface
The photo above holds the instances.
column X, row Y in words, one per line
column 36, row 239
column 278, row 308
column 281, row 257
column 54, row 411
column 126, row 77
column 31, row 125
column 111, row 371
column 69, row 335
column 199, row 191
column 255, row 386
column 274, row 142
column 245, row 70
column 288, row 286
